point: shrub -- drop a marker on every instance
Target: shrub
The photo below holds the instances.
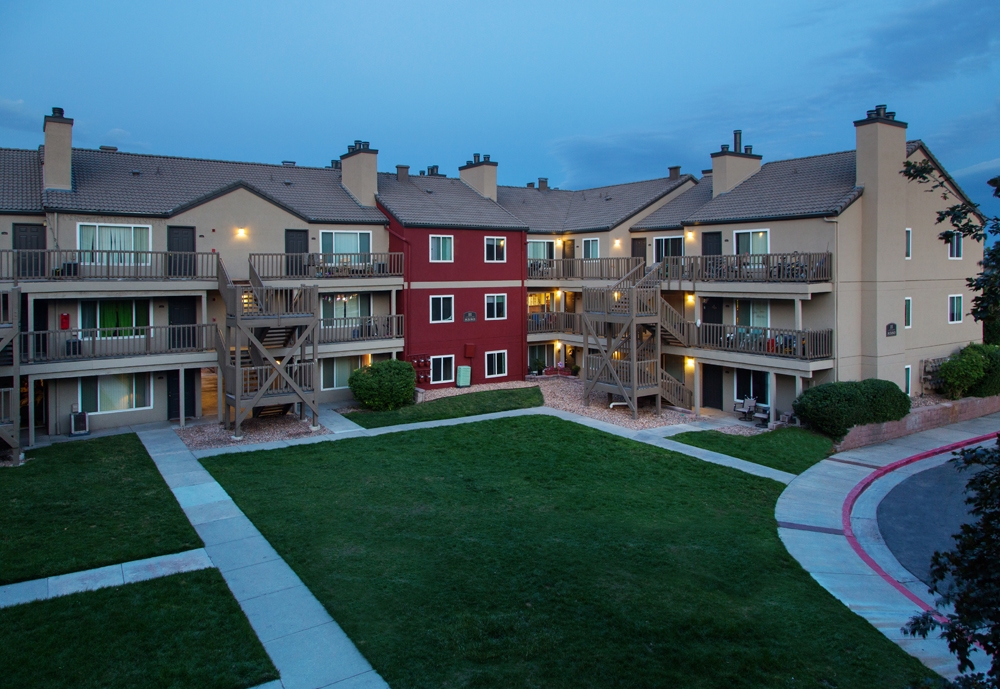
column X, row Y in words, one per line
column 575, row 369
column 538, row 365
column 962, row 371
column 991, row 330
column 885, row 401
column 989, row 384
column 834, row 408
column 385, row 385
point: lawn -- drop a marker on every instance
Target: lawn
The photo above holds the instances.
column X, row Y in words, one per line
column 789, row 449
column 87, row 504
column 184, row 630
column 452, row 407
column 534, row 552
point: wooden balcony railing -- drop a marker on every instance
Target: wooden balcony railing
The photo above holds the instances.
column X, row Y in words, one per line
column 790, row 344
column 7, row 400
column 581, row 268
column 646, row 372
column 555, row 322
column 327, row 266
column 57, row 264
column 794, row 267
column 360, row 328
column 253, row 377
column 109, row 343
column 638, row 301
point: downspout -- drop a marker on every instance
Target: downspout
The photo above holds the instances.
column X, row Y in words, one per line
column 836, row 297
column 407, row 313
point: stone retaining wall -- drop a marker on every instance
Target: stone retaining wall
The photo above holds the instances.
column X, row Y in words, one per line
column 920, row 419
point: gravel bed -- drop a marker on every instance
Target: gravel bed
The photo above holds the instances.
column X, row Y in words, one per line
column 208, row 435
column 740, row 430
column 927, row 400
column 566, row 393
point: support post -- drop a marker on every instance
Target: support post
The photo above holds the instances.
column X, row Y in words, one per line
column 798, row 315
column 697, row 388
column 772, row 394
column 220, row 393
column 180, row 395
column 798, row 386
column 31, row 408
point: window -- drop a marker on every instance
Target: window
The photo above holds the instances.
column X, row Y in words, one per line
column 442, row 248
column 496, row 364
column 121, row 392
column 115, row 242
column 345, row 242
column 954, row 308
column 909, row 243
column 114, row 317
column 346, row 305
column 751, row 242
column 753, row 312
column 545, row 353
column 751, row 384
column 496, row 250
column 496, row 307
column 955, row 246
column 337, row 371
column 667, row 246
column 443, row 369
column 907, row 312
column 591, row 248
column 906, row 379
column 442, row 309
column 541, row 249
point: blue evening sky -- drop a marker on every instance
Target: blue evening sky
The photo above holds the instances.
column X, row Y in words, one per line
column 583, row 93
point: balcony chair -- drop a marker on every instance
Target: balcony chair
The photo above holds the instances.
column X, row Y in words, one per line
column 746, row 409
column 762, row 416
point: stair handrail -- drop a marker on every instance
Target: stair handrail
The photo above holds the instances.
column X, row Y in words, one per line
column 676, row 391
column 629, row 279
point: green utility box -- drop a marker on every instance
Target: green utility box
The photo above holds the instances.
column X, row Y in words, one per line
column 464, row 376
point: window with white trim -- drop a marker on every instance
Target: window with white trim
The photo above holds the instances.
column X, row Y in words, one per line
column 907, row 312
column 909, row 243
column 443, row 369
column 333, row 242
column 591, row 248
column 114, row 317
column 906, row 379
column 496, row 364
column 496, row 307
column 752, row 241
column 496, row 250
column 667, row 246
column 114, row 244
column 541, row 249
column 442, row 248
column 954, row 308
column 955, row 246
column 337, row 371
column 118, row 392
column 443, row 309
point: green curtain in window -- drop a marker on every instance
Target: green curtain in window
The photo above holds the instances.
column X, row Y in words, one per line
column 114, row 314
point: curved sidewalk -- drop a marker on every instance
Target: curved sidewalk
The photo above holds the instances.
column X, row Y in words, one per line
column 827, row 519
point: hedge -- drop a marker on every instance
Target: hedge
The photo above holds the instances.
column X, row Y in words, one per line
column 385, row 385
column 974, row 371
column 834, row 408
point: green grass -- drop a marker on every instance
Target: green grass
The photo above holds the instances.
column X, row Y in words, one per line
column 533, row 552
column 86, row 504
column 789, row 449
column 185, row 630
column 452, row 407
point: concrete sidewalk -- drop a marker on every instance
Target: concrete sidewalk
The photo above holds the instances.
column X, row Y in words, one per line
column 824, row 522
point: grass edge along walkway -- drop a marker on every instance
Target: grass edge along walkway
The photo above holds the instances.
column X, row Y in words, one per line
column 787, row 449
column 457, row 406
column 502, row 553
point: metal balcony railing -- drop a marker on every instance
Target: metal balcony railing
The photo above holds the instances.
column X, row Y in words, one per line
column 327, row 266
column 22, row 265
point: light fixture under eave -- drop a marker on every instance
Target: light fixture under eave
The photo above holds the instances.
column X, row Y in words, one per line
column 558, row 242
column 558, row 345
column 690, row 299
column 618, row 242
column 690, row 235
column 241, row 232
column 689, row 362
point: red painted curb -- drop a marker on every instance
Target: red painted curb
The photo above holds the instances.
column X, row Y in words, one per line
column 852, row 497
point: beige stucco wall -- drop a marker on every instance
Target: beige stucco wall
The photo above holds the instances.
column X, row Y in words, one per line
column 7, row 223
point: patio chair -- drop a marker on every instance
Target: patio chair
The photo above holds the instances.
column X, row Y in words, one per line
column 746, row 409
column 762, row 416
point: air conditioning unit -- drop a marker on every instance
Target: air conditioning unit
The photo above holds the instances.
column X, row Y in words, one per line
column 78, row 424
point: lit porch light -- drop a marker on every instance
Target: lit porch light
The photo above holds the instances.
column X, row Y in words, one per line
column 690, row 234
column 241, row 232
column 618, row 243
column 558, row 344
column 690, row 299
column 688, row 362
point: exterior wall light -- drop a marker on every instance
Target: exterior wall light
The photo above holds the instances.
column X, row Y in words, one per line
column 690, row 235
column 618, row 243
column 690, row 299
column 688, row 362
column 558, row 345
column 241, row 232
column 558, row 242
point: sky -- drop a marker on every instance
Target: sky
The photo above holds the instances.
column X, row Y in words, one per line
column 583, row 93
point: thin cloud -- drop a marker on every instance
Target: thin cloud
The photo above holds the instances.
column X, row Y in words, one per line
column 13, row 115
column 985, row 166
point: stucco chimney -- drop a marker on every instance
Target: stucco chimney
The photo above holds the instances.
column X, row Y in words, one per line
column 57, row 168
column 729, row 168
column 543, row 183
column 481, row 175
column 359, row 172
column 402, row 173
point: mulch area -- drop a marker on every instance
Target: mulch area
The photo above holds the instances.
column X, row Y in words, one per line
column 211, row 435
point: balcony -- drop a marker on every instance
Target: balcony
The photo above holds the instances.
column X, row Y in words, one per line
column 327, row 266
column 251, row 381
column 555, row 322
column 20, row 265
column 804, row 345
column 48, row 346
column 333, row 330
column 581, row 268
column 794, row 268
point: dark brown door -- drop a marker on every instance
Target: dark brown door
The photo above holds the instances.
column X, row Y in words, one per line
column 30, row 239
column 180, row 252
column 711, row 310
column 174, row 393
column 182, row 313
column 296, row 246
column 711, row 386
column 569, row 251
column 711, row 243
column 639, row 247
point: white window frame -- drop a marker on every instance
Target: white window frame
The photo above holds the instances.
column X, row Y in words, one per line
column 430, row 248
column 97, row 315
column 130, row 261
column 449, row 380
column 955, row 241
column 907, row 378
column 909, row 244
column 595, row 242
column 430, row 314
column 550, row 242
column 486, row 305
column 331, row 359
column 333, row 240
column 907, row 313
column 765, row 230
column 665, row 239
column 961, row 308
column 486, row 361
column 149, row 391
column 486, row 244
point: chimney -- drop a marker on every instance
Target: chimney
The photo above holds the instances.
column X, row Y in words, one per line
column 402, row 173
column 57, row 168
column 531, row 185
column 359, row 172
column 481, row 175
column 543, row 183
column 675, row 172
column 729, row 168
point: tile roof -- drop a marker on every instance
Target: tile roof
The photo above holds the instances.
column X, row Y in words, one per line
column 561, row 211
column 439, row 201
column 671, row 214
column 104, row 182
column 20, row 180
column 799, row 187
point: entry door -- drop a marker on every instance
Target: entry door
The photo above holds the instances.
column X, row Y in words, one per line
column 296, row 246
column 639, row 247
column 183, row 311
column 173, row 393
column 30, row 239
column 711, row 310
column 180, row 250
column 711, row 243
column 711, row 386
column 569, row 251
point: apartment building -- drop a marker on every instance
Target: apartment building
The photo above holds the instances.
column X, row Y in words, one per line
column 141, row 288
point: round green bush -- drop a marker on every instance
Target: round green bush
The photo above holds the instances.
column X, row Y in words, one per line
column 834, row 408
column 962, row 371
column 385, row 385
column 885, row 401
column 989, row 384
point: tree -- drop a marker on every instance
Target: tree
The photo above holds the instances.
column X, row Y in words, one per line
column 967, row 220
column 968, row 577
